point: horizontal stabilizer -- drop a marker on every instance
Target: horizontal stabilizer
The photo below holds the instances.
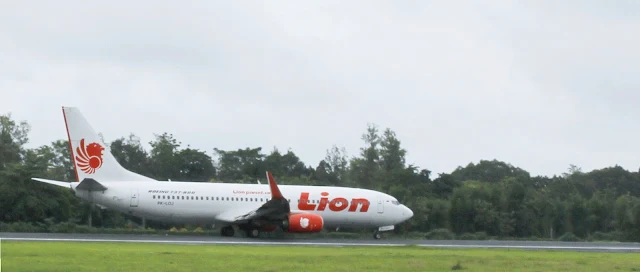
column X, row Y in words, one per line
column 90, row 184
column 54, row 182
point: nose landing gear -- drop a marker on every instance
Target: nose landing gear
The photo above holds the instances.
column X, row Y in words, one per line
column 377, row 234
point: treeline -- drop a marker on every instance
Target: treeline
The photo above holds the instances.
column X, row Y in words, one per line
column 490, row 198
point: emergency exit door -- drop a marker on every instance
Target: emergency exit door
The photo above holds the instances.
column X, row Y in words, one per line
column 380, row 206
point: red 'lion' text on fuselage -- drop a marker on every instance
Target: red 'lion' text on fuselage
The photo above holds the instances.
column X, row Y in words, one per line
column 337, row 204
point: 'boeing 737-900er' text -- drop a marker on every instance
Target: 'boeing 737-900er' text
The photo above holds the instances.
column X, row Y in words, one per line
column 252, row 208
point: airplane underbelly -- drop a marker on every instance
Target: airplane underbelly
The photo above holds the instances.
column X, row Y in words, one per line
column 351, row 220
column 333, row 220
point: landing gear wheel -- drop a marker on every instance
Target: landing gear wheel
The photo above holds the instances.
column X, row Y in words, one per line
column 377, row 235
column 227, row 231
column 253, row 232
column 284, row 225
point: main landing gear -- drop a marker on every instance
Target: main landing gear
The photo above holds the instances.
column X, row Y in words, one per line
column 377, row 235
column 251, row 229
column 252, row 232
column 227, row 231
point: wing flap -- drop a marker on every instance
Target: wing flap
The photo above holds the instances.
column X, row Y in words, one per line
column 236, row 215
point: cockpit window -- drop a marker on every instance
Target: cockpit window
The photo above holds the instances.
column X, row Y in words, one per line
column 395, row 202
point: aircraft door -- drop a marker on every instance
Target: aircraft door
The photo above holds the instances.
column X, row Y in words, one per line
column 134, row 197
column 380, row 206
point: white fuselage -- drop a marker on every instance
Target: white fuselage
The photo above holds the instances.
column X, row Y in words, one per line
column 203, row 203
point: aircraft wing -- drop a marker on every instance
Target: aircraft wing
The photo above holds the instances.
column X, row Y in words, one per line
column 237, row 215
column 276, row 208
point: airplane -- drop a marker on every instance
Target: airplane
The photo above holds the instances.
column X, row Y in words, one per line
column 251, row 208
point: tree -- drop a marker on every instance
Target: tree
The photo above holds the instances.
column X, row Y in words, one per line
column 364, row 169
column 12, row 138
column 392, row 155
column 240, row 165
column 195, row 165
column 132, row 156
column 164, row 160
column 336, row 166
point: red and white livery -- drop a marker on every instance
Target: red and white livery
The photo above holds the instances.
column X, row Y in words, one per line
column 252, row 208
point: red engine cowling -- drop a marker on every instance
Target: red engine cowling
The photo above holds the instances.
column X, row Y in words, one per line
column 305, row 222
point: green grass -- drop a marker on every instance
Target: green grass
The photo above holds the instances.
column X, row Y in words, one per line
column 84, row 256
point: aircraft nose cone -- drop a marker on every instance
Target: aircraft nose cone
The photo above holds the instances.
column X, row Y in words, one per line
column 407, row 212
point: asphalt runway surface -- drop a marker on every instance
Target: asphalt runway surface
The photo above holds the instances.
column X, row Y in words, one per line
column 213, row 240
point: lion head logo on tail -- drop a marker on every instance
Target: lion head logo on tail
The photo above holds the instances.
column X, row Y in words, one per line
column 89, row 158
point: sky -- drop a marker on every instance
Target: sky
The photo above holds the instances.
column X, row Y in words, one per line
column 538, row 84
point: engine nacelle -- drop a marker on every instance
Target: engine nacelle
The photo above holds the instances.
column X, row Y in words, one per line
column 305, row 222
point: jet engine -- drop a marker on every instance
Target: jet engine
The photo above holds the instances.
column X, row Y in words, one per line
column 304, row 222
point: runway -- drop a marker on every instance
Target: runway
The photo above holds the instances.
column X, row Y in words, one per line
column 215, row 240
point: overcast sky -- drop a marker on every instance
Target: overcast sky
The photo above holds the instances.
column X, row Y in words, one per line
column 541, row 84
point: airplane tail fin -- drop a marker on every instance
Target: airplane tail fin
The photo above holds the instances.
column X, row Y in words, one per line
column 90, row 156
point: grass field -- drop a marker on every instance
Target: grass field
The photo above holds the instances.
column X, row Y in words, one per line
column 83, row 256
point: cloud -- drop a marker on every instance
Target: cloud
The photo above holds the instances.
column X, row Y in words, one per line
column 541, row 85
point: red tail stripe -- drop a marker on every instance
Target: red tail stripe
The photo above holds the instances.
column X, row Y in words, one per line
column 75, row 169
